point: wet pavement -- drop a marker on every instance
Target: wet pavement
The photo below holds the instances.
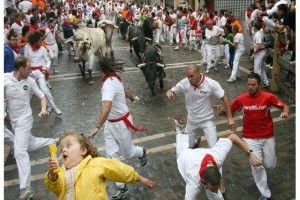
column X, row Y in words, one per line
column 81, row 103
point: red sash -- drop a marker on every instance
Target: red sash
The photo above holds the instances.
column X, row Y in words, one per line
column 128, row 123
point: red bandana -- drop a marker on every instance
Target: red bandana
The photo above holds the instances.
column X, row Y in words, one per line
column 208, row 161
column 197, row 86
column 16, row 48
column 35, row 47
column 109, row 75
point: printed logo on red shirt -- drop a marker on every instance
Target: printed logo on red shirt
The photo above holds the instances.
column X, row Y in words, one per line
column 254, row 107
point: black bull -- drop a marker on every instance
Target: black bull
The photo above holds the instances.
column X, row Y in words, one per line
column 152, row 66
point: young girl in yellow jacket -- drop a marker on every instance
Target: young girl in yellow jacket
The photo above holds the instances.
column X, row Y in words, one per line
column 84, row 173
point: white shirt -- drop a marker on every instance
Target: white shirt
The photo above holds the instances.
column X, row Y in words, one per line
column 239, row 39
column 214, row 32
column 198, row 102
column 24, row 6
column 17, row 28
column 258, row 39
column 18, row 94
column 113, row 90
column 189, row 163
column 223, row 21
column 50, row 37
column 275, row 7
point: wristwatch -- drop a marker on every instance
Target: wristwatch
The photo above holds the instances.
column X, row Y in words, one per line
column 248, row 152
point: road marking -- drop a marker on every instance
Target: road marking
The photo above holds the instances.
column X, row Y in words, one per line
column 161, row 148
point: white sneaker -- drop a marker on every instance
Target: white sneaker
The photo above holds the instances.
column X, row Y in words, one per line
column 230, row 80
column 48, row 85
column 135, row 99
column 227, row 66
column 49, row 109
column 57, row 111
column 26, row 193
column 216, row 69
column 176, row 48
column 207, row 71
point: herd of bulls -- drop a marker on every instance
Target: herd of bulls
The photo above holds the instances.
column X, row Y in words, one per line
column 91, row 44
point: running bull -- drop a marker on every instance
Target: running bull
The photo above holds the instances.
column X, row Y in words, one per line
column 89, row 43
column 153, row 66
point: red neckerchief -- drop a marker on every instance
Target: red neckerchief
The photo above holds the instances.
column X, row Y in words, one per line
column 16, row 48
column 109, row 74
column 17, row 21
column 51, row 28
column 35, row 47
column 201, row 81
column 208, row 161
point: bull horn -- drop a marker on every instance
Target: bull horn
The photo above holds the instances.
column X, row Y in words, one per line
column 121, row 22
column 135, row 38
column 102, row 25
column 68, row 41
column 116, row 26
column 141, row 65
column 78, row 39
column 147, row 38
column 160, row 65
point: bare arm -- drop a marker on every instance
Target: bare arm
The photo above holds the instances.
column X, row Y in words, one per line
column 43, row 105
column 285, row 112
column 102, row 118
column 231, row 123
column 170, row 94
column 243, row 146
column 146, row 182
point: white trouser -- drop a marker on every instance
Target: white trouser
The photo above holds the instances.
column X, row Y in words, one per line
column 209, row 129
column 158, row 35
column 264, row 149
column 192, row 39
column 204, row 51
column 53, row 54
column 226, row 52
column 213, row 54
column 169, row 34
column 181, row 39
column 191, row 193
column 9, row 137
column 41, row 82
column 25, row 142
column 235, row 69
column 259, row 59
column 118, row 141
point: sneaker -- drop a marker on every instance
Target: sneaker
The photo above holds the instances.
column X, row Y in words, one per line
column 54, row 71
column 264, row 198
column 197, row 143
column 215, row 68
column 135, row 99
column 266, row 85
column 143, row 159
column 26, row 193
column 178, row 123
column 222, row 186
column 170, row 44
column 49, row 109
column 48, row 85
column 122, row 193
column 176, row 48
column 230, row 80
column 227, row 66
column 207, row 71
column 57, row 111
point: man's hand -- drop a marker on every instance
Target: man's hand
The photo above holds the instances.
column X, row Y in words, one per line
column 255, row 160
column 43, row 113
column 170, row 94
column 146, row 182
column 284, row 115
column 232, row 125
column 252, row 57
column 93, row 133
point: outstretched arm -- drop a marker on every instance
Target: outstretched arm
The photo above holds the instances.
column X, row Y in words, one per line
column 244, row 147
column 285, row 112
column 102, row 118
column 231, row 123
column 146, row 182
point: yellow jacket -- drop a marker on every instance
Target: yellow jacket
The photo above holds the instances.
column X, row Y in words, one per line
column 90, row 178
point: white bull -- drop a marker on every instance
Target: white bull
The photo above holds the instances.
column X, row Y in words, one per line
column 108, row 27
column 89, row 43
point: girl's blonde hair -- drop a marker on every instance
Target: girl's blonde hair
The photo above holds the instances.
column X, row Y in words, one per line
column 84, row 142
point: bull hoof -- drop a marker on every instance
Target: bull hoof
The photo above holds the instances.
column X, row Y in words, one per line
column 81, row 70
